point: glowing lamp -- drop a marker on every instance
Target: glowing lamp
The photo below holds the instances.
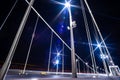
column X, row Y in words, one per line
column 57, row 62
column 58, row 54
column 67, row 4
column 98, row 45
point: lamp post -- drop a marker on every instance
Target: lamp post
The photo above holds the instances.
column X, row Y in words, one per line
column 73, row 60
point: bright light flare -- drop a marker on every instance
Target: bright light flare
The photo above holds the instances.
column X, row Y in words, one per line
column 58, row 54
column 68, row 28
column 98, row 45
column 67, row 4
column 57, row 62
column 76, row 60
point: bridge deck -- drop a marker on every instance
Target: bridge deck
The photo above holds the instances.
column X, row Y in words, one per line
column 40, row 75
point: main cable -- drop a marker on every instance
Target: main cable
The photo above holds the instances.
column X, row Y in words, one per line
column 112, row 63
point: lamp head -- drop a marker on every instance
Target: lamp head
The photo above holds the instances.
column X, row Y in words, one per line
column 67, row 4
column 57, row 62
column 98, row 45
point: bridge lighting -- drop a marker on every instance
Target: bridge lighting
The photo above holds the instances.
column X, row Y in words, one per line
column 73, row 25
column 103, row 56
column 67, row 4
column 86, row 63
column 68, row 28
column 76, row 60
column 98, row 45
column 58, row 54
column 57, row 62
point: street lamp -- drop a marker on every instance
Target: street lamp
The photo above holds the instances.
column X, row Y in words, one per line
column 74, row 73
column 57, row 62
column 58, row 54
column 67, row 4
column 73, row 25
column 98, row 45
column 103, row 56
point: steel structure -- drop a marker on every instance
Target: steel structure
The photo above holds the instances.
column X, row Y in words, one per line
column 111, row 69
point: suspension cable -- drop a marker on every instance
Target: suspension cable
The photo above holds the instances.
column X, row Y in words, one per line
column 101, row 51
column 8, row 15
column 54, row 31
column 88, row 36
column 104, row 63
column 33, row 35
column 50, row 51
column 99, row 32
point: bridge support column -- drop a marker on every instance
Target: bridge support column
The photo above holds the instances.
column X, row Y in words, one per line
column 73, row 60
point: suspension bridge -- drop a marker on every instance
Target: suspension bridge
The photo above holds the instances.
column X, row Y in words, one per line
column 56, row 62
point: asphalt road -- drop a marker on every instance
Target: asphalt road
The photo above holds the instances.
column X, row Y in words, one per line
column 40, row 75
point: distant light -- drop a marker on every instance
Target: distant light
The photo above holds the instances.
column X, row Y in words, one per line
column 99, row 45
column 68, row 28
column 76, row 60
column 111, row 61
column 57, row 62
column 58, row 54
column 86, row 63
column 107, row 56
column 103, row 56
column 67, row 4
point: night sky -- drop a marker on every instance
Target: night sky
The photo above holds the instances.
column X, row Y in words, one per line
column 106, row 13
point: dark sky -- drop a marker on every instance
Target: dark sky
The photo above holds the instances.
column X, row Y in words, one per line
column 106, row 12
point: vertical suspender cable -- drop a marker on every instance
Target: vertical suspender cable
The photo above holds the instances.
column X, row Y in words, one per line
column 8, row 14
column 63, row 59
column 31, row 42
column 89, row 37
column 50, row 51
